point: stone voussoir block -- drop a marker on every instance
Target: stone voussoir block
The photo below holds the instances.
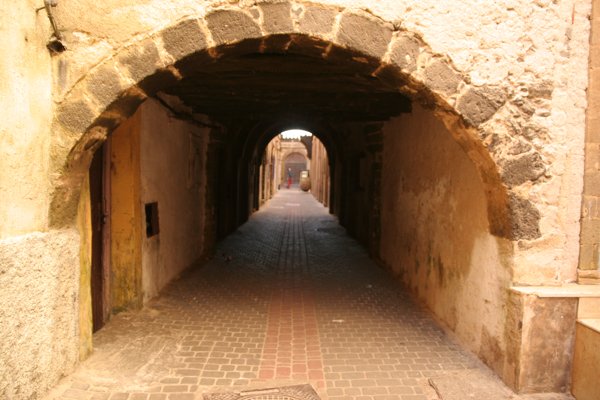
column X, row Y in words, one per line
column 104, row 84
column 365, row 34
column 441, row 77
column 140, row 59
column 277, row 17
column 524, row 218
column 479, row 104
column 526, row 167
column 405, row 52
column 317, row 20
column 76, row 115
column 229, row 26
column 184, row 38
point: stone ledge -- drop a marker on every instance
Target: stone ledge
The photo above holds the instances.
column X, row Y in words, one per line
column 569, row 290
column 592, row 323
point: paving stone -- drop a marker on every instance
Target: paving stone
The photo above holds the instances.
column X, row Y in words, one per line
column 299, row 302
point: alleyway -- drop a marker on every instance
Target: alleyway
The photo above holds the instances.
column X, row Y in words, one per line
column 289, row 299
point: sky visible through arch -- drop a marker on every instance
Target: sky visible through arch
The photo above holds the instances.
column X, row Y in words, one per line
column 295, row 133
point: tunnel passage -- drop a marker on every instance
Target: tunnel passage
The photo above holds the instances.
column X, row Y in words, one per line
column 410, row 177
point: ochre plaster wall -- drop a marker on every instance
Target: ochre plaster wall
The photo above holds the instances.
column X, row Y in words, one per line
column 39, row 269
column 26, row 115
column 435, row 234
column 173, row 173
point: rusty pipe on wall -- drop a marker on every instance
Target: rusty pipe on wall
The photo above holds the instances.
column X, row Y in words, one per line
column 55, row 45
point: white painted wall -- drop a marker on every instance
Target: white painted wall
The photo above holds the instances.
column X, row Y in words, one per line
column 173, row 173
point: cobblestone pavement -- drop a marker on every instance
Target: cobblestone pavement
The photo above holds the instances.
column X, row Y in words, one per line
column 289, row 299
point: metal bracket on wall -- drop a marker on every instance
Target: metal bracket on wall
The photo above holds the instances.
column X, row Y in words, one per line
column 56, row 44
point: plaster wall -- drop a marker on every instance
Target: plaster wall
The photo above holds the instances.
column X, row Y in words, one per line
column 173, row 174
column 435, row 234
column 26, row 104
column 39, row 274
column 39, row 308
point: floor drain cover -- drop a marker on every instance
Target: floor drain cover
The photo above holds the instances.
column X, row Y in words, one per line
column 299, row 392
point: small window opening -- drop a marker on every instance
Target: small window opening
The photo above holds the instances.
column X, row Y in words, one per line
column 151, row 219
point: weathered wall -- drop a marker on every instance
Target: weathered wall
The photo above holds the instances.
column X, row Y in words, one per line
column 435, row 233
column 26, row 104
column 39, row 310
column 589, row 256
column 39, row 273
column 173, row 173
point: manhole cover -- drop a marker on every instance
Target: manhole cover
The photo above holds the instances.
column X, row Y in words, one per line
column 299, row 392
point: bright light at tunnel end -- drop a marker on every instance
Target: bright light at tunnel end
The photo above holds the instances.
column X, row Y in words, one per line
column 295, row 133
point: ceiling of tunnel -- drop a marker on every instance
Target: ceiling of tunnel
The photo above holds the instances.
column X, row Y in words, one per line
column 256, row 86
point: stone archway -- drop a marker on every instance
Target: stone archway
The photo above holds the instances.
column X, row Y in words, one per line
column 111, row 92
column 391, row 57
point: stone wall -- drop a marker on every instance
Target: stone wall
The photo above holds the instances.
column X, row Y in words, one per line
column 589, row 257
column 435, row 233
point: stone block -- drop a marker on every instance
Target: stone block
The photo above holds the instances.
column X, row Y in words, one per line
column 365, row 34
column 588, row 307
column 228, row 26
column 547, row 348
column 105, row 85
column 588, row 256
column 75, row 115
column 317, row 20
column 524, row 218
column 591, row 183
column 277, row 17
column 527, row 167
column 586, row 362
column 590, row 231
column 405, row 52
column 140, row 60
column 184, row 39
column 441, row 77
column 477, row 105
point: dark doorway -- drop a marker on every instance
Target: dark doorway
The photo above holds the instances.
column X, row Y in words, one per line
column 99, row 198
